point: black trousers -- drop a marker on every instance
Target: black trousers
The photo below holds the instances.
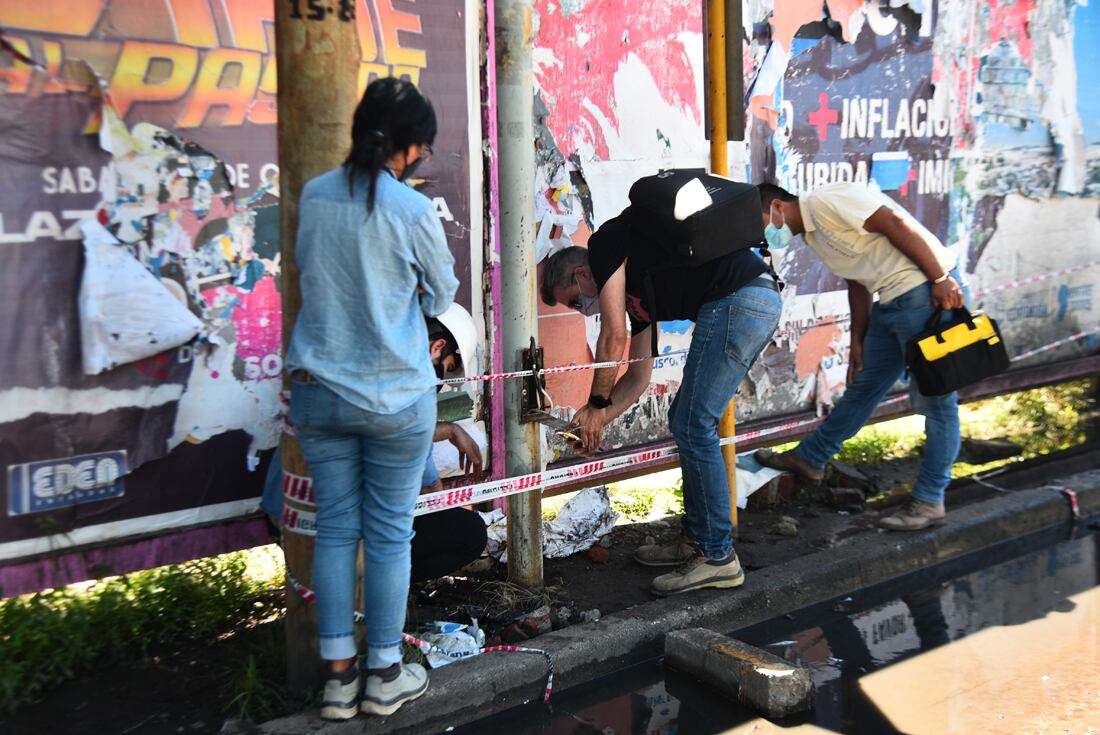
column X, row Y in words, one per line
column 445, row 542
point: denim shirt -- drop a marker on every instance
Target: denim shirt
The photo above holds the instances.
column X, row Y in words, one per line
column 361, row 330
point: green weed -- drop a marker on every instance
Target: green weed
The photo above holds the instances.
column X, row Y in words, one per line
column 643, row 502
column 54, row 635
column 256, row 698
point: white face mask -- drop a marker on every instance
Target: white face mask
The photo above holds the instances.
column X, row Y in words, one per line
column 587, row 305
column 590, row 305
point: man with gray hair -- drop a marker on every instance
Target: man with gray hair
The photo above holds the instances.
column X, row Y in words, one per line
column 734, row 302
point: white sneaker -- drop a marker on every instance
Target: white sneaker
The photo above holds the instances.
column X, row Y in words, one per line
column 381, row 697
column 341, row 700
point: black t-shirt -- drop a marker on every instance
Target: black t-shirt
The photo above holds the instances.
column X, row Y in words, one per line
column 679, row 292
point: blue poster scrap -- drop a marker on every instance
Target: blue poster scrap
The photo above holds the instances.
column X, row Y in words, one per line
column 34, row 487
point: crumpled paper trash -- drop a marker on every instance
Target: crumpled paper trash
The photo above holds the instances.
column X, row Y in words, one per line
column 455, row 642
column 751, row 476
column 578, row 526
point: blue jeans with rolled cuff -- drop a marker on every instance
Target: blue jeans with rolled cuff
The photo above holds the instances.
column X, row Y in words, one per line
column 366, row 469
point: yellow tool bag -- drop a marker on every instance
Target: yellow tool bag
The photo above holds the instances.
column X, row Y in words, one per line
column 952, row 354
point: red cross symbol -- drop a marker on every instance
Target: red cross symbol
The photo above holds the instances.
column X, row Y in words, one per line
column 912, row 177
column 824, row 116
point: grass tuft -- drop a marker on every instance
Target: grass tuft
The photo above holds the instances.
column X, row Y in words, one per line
column 51, row 636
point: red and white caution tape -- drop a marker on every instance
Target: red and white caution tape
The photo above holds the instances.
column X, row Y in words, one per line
column 1054, row 345
column 427, row 647
column 298, row 520
column 308, row 595
column 302, row 490
column 1071, row 496
column 1029, row 280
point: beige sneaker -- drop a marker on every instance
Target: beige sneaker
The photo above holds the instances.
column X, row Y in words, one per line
column 790, row 462
column 670, row 554
column 915, row 515
column 698, row 573
column 384, row 694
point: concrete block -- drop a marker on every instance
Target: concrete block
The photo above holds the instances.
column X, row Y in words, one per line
column 840, row 474
column 764, row 681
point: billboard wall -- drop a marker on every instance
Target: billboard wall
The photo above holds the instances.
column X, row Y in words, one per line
column 157, row 121
column 980, row 118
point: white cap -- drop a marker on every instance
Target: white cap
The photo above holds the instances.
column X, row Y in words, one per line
column 461, row 326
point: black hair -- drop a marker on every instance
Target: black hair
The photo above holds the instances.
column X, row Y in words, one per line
column 392, row 116
column 771, row 192
column 559, row 271
column 436, row 330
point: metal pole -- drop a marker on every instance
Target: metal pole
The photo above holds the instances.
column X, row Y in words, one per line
column 719, row 164
column 516, row 126
column 318, row 65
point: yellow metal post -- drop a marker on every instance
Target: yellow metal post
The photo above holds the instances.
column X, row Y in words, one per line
column 719, row 164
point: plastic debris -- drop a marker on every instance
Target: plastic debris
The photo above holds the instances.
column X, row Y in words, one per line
column 452, row 642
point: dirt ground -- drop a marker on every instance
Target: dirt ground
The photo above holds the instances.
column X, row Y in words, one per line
column 189, row 689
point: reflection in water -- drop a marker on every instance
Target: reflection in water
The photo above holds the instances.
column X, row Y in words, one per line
column 1042, row 676
column 1011, row 648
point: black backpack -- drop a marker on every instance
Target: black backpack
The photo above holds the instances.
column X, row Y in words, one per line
column 732, row 222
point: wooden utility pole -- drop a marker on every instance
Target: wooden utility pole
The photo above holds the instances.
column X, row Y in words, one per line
column 724, row 83
column 317, row 53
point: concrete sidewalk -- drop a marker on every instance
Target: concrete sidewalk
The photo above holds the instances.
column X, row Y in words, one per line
column 472, row 689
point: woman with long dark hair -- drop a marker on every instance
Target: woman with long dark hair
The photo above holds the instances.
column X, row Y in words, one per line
column 374, row 262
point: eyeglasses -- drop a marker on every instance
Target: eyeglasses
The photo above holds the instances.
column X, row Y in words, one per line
column 575, row 302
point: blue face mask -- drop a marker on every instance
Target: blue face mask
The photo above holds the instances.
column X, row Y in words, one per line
column 778, row 237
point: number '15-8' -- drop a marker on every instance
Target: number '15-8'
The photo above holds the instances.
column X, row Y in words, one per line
column 318, row 9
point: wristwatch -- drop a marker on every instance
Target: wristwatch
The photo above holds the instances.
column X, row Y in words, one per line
column 596, row 401
column 942, row 278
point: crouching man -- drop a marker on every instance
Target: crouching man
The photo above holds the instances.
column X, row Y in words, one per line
column 444, row 541
column 735, row 305
column 863, row 236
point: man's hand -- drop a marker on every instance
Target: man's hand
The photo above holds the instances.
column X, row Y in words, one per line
column 855, row 360
column 947, row 295
column 590, row 422
column 469, row 454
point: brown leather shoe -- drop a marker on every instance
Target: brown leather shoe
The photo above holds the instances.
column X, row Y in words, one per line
column 790, row 462
column 915, row 515
column 671, row 554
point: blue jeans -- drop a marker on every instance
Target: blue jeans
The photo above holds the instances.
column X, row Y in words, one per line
column 366, row 470
column 729, row 334
column 889, row 329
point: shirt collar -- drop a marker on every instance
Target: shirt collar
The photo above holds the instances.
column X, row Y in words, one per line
column 808, row 223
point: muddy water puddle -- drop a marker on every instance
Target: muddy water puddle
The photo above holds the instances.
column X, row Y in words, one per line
column 989, row 644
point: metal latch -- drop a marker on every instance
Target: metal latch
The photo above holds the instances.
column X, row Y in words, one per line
column 532, row 395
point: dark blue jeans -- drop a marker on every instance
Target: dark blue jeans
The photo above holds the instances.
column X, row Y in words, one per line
column 729, row 334
column 890, row 328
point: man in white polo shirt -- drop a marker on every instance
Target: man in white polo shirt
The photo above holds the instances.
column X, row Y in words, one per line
column 866, row 238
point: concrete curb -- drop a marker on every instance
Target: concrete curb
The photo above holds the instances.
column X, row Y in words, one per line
column 472, row 689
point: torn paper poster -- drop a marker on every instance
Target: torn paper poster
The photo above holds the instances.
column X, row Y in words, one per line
column 751, row 476
column 126, row 314
column 581, row 522
column 452, row 641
